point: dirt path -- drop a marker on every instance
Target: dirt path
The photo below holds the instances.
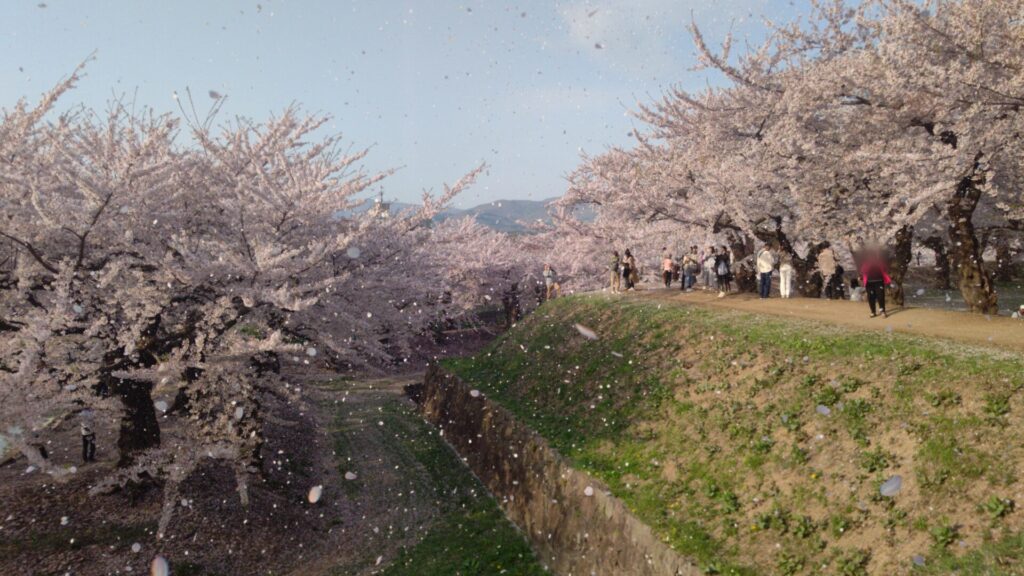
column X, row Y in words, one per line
column 974, row 329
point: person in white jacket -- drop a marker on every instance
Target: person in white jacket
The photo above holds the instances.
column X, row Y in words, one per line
column 765, row 266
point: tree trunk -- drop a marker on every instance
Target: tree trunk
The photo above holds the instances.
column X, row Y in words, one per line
column 902, row 254
column 1004, row 262
column 808, row 283
column 942, row 266
column 973, row 280
column 743, row 274
column 139, row 429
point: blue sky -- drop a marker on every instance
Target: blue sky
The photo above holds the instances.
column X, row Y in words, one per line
column 434, row 86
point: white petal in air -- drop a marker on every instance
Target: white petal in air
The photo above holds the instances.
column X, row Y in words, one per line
column 588, row 491
column 586, row 332
column 159, row 567
column 315, row 493
column 353, row 252
column 350, row 476
column 474, row 393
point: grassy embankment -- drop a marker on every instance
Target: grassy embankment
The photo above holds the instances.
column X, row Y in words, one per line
column 469, row 535
column 709, row 425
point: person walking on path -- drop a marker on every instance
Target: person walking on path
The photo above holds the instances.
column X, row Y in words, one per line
column 723, row 271
column 786, row 274
column 765, row 262
column 551, row 286
column 629, row 270
column 615, row 270
column 667, row 266
column 827, row 267
column 875, row 277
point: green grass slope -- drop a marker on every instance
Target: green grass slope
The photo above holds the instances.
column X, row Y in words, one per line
column 710, row 426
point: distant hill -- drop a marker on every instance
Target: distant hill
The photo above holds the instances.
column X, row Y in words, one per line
column 503, row 215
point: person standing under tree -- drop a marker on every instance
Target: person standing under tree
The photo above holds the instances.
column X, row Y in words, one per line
column 691, row 265
column 88, row 439
column 765, row 267
column 875, row 276
column 723, row 271
column 629, row 270
column 709, row 269
column 666, row 269
column 550, row 283
column 615, row 270
column 827, row 267
column 786, row 274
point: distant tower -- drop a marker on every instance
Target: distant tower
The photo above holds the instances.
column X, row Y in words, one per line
column 380, row 209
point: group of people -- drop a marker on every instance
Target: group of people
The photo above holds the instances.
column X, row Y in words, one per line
column 624, row 273
column 714, row 267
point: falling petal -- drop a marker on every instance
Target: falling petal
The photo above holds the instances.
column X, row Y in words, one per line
column 588, row 491
column 586, row 332
column 159, row 567
column 474, row 393
column 353, row 252
column 823, row 410
column 136, row 547
column 891, row 487
column 315, row 493
column 350, row 476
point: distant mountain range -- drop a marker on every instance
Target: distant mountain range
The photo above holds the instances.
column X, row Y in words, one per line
column 504, row 215
column 512, row 216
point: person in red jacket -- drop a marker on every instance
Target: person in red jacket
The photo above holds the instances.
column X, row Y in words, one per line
column 875, row 275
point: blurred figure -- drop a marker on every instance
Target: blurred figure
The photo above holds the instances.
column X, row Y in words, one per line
column 615, row 271
column 551, row 286
column 875, row 276
column 691, row 264
column 708, row 264
column 765, row 263
column 723, row 271
column 667, row 266
column 629, row 271
column 88, row 437
column 786, row 274
column 827, row 267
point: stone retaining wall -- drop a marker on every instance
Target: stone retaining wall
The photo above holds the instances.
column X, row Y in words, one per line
column 576, row 526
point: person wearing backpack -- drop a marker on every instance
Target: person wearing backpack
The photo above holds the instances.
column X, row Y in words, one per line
column 723, row 271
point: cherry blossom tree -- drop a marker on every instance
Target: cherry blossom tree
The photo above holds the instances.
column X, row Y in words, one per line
column 146, row 279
